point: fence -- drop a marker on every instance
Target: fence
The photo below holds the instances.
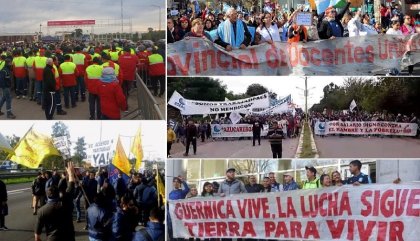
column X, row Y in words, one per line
column 148, row 107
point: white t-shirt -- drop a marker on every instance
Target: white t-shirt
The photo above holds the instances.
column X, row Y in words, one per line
column 265, row 33
column 391, row 31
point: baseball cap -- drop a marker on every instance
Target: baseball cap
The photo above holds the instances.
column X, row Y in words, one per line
column 311, row 168
column 231, row 170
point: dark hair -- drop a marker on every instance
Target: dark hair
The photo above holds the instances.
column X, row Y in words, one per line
column 204, row 189
column 356, row 163
column 323, row 177
column 53, row 192
column 393, row 22
column 67, row 57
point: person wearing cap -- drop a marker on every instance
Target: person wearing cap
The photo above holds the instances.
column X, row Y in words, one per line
column 275, row 136
column 358, row 177
column 231, row 185
column 171, row 137
column 233, row 32
column 289, row 182
column 48, row 87
column 179, row 193
column 111, row 97
column 128, row 64
column 253, row 186
column 312, row 182
column 331, row 26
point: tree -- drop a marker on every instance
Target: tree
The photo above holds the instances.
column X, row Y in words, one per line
column 256, row 89
column 13, row 141
column 149, row 29
column 60, row 129
column 79, row 151
column 198, row 88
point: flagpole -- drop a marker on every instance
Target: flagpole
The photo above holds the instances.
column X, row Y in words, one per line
column 20, row 140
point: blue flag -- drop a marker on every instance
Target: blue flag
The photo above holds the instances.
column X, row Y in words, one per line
column 113, row 175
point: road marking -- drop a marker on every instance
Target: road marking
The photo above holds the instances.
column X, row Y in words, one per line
column 18, row 190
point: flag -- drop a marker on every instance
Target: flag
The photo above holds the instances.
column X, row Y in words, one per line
column 352, row 105
column 120, row 159
column 137, row 150
column 113, row 175
column 226, row 99
column 235, row 117
column 4, row 145
column 160, row 187
column 33, row 148
column 322, row 5
column 338, row 3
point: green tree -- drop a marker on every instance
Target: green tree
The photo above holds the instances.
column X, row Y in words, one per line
column 256, row 89
column 79, row 151
column 198, row 88
column 13, row 141
column 60, row 129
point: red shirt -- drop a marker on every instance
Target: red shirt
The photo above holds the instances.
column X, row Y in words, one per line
column 69, row 79
column 128, row 63
column 112, row 99
column 143, row 60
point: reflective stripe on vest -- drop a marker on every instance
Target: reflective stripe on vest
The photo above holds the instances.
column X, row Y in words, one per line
column 57, row 77
column 94, row 71
column 19, row 61
column 155, row 59
column 56, row 74
column 30, row 61
column 40, row 62
column 67, row 68
column 2, row 63
column 79, row 59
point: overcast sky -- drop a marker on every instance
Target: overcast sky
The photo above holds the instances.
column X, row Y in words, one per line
column 284, row 86
column 153, row 132
column 25, row 16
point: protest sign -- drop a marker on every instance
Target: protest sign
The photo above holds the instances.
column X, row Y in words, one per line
column 234, row 130
column 282, row 106
column 386, row 212
column 100, row 153
column 304, row 18
column 365, row 128
column 62, row 144
column 362, row 55
column 198, row 107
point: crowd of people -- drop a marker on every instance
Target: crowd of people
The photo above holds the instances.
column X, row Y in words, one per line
column 238, row 30
column 189, row 131
column 233, row 185
column 113, row 211
column 73, row 71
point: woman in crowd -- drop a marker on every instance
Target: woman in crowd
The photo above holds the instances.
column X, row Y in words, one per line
column 193, row 193
column 336, row 179
column 197, row 30
column 325, row 180
column 297, row 33
column 173, row 31
column 367, row 27
column 269, row 29
column 185, row 27
column 207, row 190
column 407, row 28
column 208, row 25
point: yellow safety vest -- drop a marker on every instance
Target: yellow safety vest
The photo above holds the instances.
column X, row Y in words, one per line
column 117, row 67
column 19, row 61
column 56, row 74
column 79, row 59
column 30, row 61
column 68, row 68
column 2, row 63
column 40, row 62
column 94, row 71
column 95, row 55
column 155, row 59
column 114, row 55
column 106, row 51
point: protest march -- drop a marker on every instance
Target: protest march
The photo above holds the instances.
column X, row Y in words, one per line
column 320, row 37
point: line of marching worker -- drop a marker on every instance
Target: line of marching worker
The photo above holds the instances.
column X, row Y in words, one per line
column 113, row 211
column 49, row 74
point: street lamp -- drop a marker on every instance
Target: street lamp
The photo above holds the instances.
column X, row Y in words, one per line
column 306, row 94
column 160, row 15
column 40, row 30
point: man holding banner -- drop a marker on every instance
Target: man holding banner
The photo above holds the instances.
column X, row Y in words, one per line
column 233, row 32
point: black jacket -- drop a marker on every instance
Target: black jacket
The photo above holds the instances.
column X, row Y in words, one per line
column 325, row 31
column 48, row 84
column 5, row 77
column 3, row 192
column 191, row 131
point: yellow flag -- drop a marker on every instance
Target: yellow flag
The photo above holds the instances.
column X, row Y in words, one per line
column 137, row 150
column 120, row 159
column 160, row 187
column 33, row 148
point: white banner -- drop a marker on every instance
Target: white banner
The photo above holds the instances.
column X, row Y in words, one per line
column 62, row 144
column 366, row 128
column 235, row 130
column 386, row 212
column 362, row 55
column 283, row 106
column 197, row 107
column 100, row 153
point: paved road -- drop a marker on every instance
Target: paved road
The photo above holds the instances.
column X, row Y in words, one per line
column 363, row 147
column 20, row 220
column 29, row 110
column 235, row 149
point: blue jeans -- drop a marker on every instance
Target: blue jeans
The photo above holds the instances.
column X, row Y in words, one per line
column 57, row 101
column 77, row 205
column 6, row 97
column 38, row 89
column 21, row 86
column 69, row 90
column 81, row 87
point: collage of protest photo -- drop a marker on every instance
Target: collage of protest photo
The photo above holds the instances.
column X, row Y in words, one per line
column 293, row 120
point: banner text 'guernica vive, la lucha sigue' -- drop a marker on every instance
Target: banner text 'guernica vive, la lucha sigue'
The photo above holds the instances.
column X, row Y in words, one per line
column 377, row 212
column 363, row 55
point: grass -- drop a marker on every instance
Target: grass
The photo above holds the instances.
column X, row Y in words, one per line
column 18, row 180
column 306, row 146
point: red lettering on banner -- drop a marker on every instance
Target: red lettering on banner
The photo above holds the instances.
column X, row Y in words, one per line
column 293, row 54
column 233, row 229
column 244, row 62
column 190, row 227
column 221, row 229
column 295, row 229
column 197, row 61
column 229, row 210
column 242, row 204
column 366, row 212
column 337, row 53
column 413, row 201
column 350, row 229
column 383, row 50
column 370, row 54
column 204, row 57
column 209, row 229
column 323, row 211
column 333, row 207
column 219, row 209
column 248, row 230
column 345, row 204
column 311, row 230
column 290, row 208
column 304, row 60
column 387, row 206
column 382, row 231
column 254, row 58
column 336, row 231
column 396, row 231
column 328, row 56
column 358, row 53
column 222, row 64
column 314, row 60
column 184, row 68
column 391, row 202
column 349, row 47
column 271, row 57
column 283, row 58
column 269, row 227
column 365, row 233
